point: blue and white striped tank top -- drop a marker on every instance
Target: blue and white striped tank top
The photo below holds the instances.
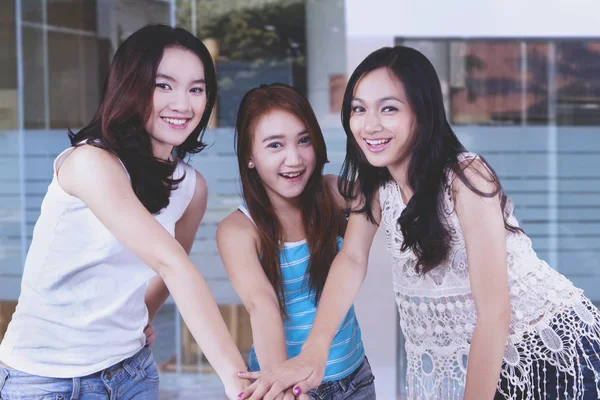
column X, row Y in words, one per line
column 346, row 353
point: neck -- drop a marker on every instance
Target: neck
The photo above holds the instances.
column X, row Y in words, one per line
column 289, row 214
column 399, row 173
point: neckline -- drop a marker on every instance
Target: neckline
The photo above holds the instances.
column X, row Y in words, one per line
column 289, row 245
column 397, row 187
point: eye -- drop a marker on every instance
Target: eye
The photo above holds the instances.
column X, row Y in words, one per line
column 305, row 139
column 358, row 109
column 274, row 145
column 163, row 86
column 197, row 90
column 389, row 109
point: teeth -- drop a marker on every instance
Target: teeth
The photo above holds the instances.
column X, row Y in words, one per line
column 377, row 142
column 175, row 121
column 295, row 174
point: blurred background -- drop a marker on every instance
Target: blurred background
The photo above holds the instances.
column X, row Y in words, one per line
column 521, row 82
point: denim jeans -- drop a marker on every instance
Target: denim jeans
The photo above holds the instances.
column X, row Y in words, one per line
column 359, row 385
column 134, row 378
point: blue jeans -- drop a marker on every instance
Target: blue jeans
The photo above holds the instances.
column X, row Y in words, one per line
column 359, row 385
column 134, row 378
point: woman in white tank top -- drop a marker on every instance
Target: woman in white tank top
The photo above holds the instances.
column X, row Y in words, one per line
column 115, row 230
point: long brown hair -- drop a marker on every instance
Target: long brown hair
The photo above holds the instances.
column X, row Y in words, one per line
column 322, row 218
column 118, row 125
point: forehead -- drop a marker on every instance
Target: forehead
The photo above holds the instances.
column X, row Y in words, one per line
column 181, row 62
column 278, row 122
column 378, row 84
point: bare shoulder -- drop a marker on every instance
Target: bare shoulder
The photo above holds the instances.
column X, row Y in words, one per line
column 236, row 227
column 478, row 174
column 88, row 163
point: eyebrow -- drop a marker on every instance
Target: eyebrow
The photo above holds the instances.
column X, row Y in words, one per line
column 170, row 78
column 380, row 100
column 281, row 136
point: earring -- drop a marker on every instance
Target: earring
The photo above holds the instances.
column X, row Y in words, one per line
column 250, row 164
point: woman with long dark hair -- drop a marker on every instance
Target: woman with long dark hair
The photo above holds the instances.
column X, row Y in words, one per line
column 482, row 315
column 278, row 247
column 116, row 226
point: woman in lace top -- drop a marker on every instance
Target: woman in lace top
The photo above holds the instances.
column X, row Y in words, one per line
column 482, row 315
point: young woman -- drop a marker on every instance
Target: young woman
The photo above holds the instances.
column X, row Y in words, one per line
column 119, row 218
column 278, row 247
column 482, row 315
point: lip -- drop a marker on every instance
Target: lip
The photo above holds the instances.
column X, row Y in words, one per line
column 377, row 148
column 176, row 126
column 294, row 179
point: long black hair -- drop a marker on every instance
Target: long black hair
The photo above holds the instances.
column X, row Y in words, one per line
column 434, row 150
column 118, row 125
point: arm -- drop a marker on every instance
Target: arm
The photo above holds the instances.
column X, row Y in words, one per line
column 345, row 277
column 237, row 242
column 485, row 238
column 97, row 178
column 185, row 233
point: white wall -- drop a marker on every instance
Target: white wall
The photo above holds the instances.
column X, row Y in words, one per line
column 472, row 18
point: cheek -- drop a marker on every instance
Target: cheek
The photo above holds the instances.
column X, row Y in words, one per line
column 199, row 105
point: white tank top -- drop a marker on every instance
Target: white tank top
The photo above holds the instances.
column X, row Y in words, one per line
column 81, row 308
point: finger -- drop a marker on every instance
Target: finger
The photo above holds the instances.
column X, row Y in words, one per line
column 281, row 396
column 151, row 339
column 249, row 375
column 248, row 391
column 259, row 393
column 276, row 389
column 289, row 395
column 303, row 387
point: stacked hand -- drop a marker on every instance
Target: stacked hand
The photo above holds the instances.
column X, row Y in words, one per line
column 294, row 377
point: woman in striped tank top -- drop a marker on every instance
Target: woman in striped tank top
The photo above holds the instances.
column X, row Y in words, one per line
column 278, row 247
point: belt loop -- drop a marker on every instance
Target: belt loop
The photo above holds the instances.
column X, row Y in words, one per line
column 76, row 388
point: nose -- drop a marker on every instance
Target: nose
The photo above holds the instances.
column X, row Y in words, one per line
column 180, row 101
column 293, row 157
column 372, row 123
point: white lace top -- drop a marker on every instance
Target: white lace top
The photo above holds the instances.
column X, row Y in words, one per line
column 549, row 316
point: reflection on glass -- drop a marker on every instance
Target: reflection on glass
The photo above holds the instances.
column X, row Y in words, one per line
column 8, row 66
column 255, row 42
column 74, row 14
column 33, row 79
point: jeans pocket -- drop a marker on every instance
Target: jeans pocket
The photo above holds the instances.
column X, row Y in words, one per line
column 363, row 377
column 151, row 369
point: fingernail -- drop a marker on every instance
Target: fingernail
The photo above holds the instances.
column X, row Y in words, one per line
column 241, row 373
column 297, row 391
column 240, row 395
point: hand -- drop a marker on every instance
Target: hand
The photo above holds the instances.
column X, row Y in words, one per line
column 236, row 387
column 303, row 372
column 150, row 335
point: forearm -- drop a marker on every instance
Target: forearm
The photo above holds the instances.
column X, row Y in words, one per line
column 485, row 358
column 201, row 314
column 343, row 282
column 156, row 295
column 268, row 335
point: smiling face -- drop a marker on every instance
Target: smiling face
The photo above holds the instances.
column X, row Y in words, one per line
column 382, row 120
column 282, row 154
column 179, row 100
